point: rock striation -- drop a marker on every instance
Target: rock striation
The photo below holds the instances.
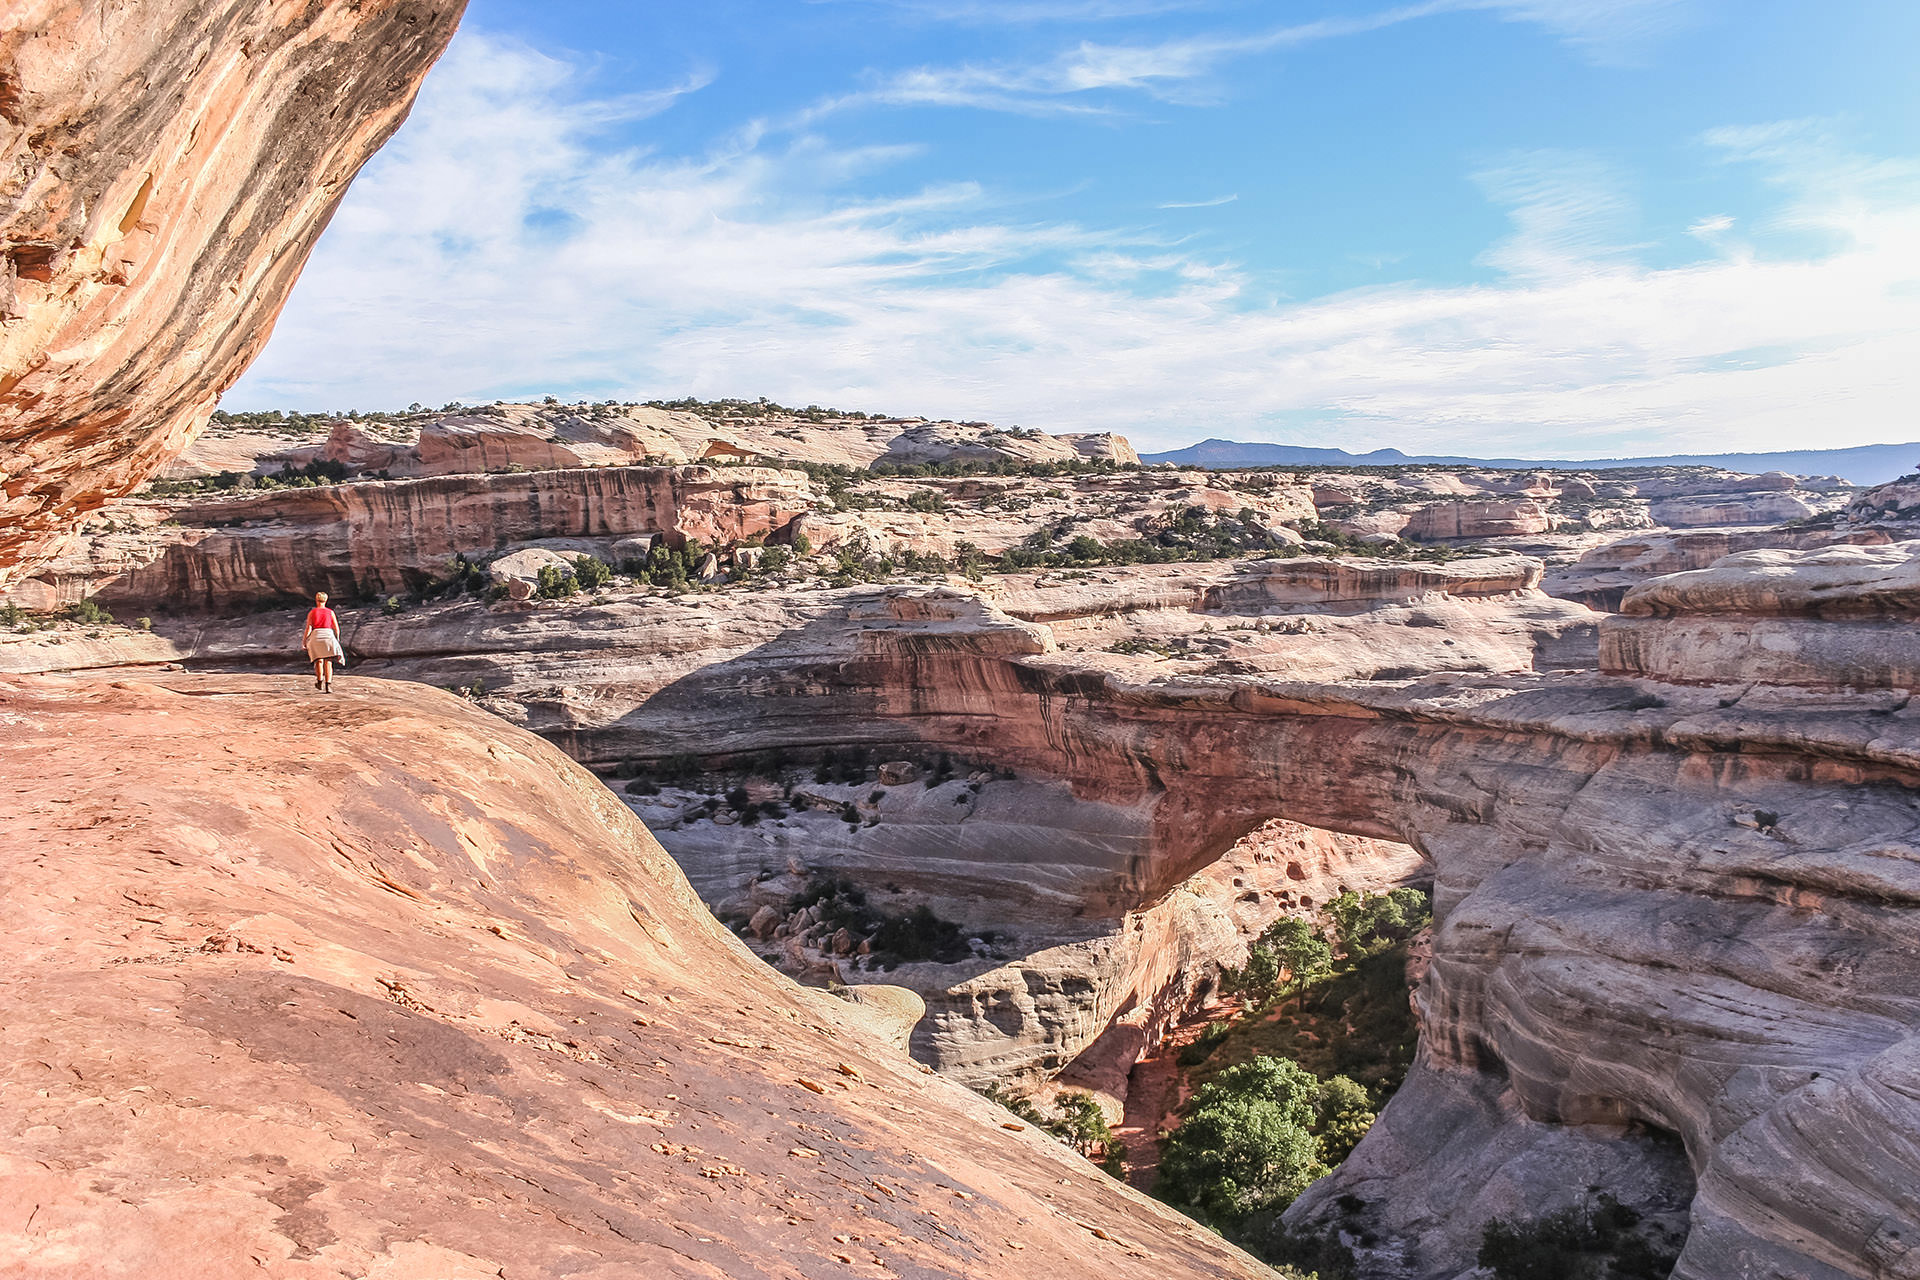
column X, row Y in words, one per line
column 1839, row 617
column 398, row 536
column 378, row 987
column 1489, row 518
column 1600, row 578
column 168, row 167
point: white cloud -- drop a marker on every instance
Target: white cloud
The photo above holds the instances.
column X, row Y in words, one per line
column 1711, row 229
column 1184, row 69
column 1027, row 12
column 492, row 250
column 1214, row 203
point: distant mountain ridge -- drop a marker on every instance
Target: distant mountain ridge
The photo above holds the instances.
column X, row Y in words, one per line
column 1862, row 464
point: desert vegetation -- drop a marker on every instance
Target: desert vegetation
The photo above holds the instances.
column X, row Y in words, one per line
column 1283, row 1092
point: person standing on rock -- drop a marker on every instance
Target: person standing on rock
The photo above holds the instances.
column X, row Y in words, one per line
column 322, row 642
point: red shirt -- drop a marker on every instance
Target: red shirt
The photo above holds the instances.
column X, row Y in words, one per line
column 321, row 616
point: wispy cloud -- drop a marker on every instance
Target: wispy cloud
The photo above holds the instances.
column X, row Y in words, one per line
column 1174, row 70
column 1182, row 69
column 1569, row 211
column 746, row 272
column 1214, row 203
column 1027, row 12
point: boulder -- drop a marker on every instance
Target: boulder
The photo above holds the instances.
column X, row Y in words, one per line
column 524, row 567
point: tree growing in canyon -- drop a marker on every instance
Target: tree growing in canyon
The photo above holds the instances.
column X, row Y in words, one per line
column 1289, row 953
column 1368, row 924
column 1246, row 1144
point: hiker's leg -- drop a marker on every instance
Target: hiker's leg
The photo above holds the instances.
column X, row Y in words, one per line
column 317, row 664
column 326, row 672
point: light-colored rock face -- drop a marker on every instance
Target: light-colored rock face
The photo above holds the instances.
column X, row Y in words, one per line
column 494, row 437
column 1842, row 617
column 1751, row 508
column 1601, row 578
column 1440, row 521
column 168, row 166
column 377, row 987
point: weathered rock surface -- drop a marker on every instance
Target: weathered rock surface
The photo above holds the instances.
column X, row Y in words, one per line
column 1439, row 521
column 1844, row 616
column 1718, row 509
column 375, row 987
column 1601, row 578
column 168, row 167
column 369, row 539
column 485, row 438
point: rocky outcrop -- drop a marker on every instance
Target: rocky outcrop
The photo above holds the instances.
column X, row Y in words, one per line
column 373, row 538
column 1690, row 482
column 1440, row 521
column 1840, row 617
column 1722, row 509
column 1572, row 821
column 1102, row 446
column 168, row 168
column 378, row 987
column 1601, row 578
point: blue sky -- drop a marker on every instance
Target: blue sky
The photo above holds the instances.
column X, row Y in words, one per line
column 1534, row 227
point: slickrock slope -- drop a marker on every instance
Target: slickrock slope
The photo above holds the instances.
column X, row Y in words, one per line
column 376, row 987
column 168, row 165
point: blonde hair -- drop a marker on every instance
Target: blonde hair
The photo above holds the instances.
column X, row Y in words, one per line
column 319, row 597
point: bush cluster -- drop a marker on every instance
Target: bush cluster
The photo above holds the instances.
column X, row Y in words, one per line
column 1595, row 1241
column 893, row 939
column 1253, row 1138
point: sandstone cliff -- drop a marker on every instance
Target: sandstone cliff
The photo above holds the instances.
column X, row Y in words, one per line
column 370, row 539
column 167, row 168
column 376, row 987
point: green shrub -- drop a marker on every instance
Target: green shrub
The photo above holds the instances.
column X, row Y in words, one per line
column 88, row 613
column 1345, row 1115
column 392, row 605
column 917, row 936
column 591, row 572
column 1202, row 1047
column 1582, row 1242
column 555, row 583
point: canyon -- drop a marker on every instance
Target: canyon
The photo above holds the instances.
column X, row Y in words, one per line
column 1639, row 867
column 394, row 983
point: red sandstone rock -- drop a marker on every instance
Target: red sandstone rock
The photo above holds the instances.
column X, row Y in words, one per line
column 375, row 986
column 168, row 165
